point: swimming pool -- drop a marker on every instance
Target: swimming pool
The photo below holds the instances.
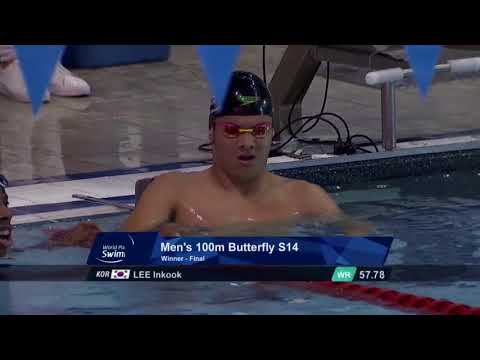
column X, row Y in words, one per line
column 433, row 218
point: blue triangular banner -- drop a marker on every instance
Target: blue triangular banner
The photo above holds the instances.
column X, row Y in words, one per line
column 38, row 64
column 423, row 59
column 218, row 63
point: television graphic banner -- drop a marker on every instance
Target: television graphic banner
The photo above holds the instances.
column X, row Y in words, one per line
column 441, row 274
column 152, row 249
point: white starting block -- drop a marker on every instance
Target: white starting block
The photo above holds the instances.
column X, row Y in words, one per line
column 388, row 80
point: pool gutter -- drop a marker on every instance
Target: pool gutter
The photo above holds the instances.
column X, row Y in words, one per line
column 329, row 171
column 385, row 165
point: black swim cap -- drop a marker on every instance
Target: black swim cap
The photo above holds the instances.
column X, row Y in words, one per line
column 246, row 95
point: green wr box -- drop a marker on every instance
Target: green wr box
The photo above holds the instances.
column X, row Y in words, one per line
column 344, row 273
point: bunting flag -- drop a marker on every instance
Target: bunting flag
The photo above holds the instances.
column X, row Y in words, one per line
column 38, row 63
column 423, row 59
column 218, row 63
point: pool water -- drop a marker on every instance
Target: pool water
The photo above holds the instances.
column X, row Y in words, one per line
column 434, row 220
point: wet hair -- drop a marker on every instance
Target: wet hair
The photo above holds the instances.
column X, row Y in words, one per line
column 247, row 95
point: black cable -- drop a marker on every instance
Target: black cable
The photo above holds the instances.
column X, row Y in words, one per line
column 362, row 149
column 320, row 117
column 341, row 119
column 325, row 95
column 317, row 116
column 365, row 137
column 309, row 119
column 264, row 66
column 291, row 137
column 289, row 123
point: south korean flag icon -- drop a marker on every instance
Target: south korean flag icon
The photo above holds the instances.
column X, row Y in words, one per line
column 120, row 274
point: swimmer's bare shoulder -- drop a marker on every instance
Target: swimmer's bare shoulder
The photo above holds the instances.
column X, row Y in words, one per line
column 157, row 204
column 317, row 203
column 312, row 199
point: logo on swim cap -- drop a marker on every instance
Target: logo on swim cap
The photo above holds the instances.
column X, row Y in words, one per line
column 247, row 100
column 247, row 95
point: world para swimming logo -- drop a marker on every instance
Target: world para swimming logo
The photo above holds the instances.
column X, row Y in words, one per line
column 114, row 253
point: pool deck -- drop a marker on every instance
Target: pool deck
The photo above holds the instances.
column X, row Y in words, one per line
column 141, row 117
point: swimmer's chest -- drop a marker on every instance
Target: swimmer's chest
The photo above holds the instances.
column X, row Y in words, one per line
column 212, row 209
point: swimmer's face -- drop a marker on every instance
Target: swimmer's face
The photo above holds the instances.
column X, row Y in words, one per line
column 5, row 221
column 241, row 144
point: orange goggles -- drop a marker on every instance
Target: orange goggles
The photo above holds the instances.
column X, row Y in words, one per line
column 233, row 131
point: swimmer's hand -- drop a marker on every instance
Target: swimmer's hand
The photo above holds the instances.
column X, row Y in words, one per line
column 81, row 235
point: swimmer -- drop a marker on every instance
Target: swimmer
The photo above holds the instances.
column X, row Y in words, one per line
column 81, row 235
column 236, row 195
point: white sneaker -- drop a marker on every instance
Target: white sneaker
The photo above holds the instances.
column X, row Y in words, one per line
column 12, row 84
column 64, row 83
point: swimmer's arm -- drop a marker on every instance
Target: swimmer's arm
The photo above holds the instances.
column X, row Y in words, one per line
column 155, row 208
column 319, row 205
